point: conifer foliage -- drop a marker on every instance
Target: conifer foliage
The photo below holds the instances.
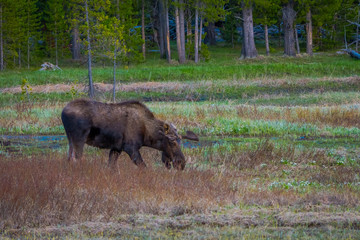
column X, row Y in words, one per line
column 120, row 32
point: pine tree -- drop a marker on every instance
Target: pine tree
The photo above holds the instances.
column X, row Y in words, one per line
column 289, row 15
column 9, row 32
column 210, row 11
column 126, row 12
column 56, row 23
column 32, row 24
column 86, row 13
column 112, row 40
column 266, row 14
column 248, row 49
column 17, row 32
column 229, row 32
column 318, row 14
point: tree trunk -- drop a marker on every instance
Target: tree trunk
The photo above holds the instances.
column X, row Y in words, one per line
column 296, row 40
column 1, row 40
column 200, row 31
column 196, row 32
column 28, row 41
column 114, row 86
column 188, row 26
column 167, row 44
column 178, row 40
column 248, row 47
column 182, row 31
column 91, row 87
column 162, row 30
column 267, row 40
column 309, row 33
column 118, row 9
column 211, row 34
column 56, row 52
column 357, row 33
column 143, row 27
column 76, row 43
column 56, row 46
column 279, row 39
column 288, row 19
column 28, row 53
column 19, row 57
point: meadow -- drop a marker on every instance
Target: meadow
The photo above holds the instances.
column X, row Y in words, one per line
column 278, row 155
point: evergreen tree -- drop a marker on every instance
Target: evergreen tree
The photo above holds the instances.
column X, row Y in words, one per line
column 288, row 17
column 248, row 49
column 86, row 14
column 266, row 14
column 210, row 11
column 31, row 26
column 7, row 21
column 126, row 12
column 17, row 33
column 56, row 23
column 317, row 14
column 229, row 32
column 112, row 40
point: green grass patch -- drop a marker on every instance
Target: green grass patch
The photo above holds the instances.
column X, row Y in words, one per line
column 223, row 66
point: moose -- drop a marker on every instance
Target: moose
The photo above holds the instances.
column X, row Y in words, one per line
column 124, row 126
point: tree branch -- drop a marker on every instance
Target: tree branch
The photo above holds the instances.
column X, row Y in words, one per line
column 357, row 24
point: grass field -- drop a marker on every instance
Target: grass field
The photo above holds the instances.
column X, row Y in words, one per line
column 278, row 155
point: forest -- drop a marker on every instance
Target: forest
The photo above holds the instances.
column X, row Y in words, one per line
column 122, row 31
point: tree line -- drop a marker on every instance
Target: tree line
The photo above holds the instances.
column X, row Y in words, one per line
column 122, row 30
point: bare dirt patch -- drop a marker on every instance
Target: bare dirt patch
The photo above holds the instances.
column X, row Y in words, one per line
column 101, row 87
column 173, row 86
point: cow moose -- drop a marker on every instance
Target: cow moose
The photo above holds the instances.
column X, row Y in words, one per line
column 125, row 126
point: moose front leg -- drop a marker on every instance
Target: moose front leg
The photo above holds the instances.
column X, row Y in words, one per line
column 135, row 156
column 113, row 157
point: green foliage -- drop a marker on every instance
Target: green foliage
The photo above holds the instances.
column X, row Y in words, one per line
column 126, row 13
column 213, row 10
column 56, row 24
column 15, row 29
column 112, row 40
column 74, row 92
column 230, row 33
column 266, row 11
column 30, row 27
column 204, row 52
column 25, row 89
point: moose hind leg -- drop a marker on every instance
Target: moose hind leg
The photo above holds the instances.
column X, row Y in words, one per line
column 71, row 152
column 113, row 157
column 79, row 143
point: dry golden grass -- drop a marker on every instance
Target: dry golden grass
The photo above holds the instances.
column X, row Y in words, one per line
column 321, row 116
column 333, row 116
column 175, row 86
column 44, row 190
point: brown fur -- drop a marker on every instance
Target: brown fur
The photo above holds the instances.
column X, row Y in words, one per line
column 125, row 126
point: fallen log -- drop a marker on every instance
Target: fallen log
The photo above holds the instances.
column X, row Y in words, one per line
column 354, row 54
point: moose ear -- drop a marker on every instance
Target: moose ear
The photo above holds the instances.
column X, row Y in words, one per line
column 166, row 128
column 191, row 136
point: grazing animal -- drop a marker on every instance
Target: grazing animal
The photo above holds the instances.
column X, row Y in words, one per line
column 125, row 126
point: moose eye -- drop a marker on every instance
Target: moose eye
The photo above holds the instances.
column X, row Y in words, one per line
column 173, row 143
